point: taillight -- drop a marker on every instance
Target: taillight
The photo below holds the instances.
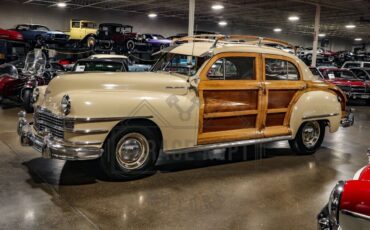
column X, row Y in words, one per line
column 64, row 62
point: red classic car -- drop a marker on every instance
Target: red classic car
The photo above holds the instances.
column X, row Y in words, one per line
column 345, row 79
column 10, row 35
column 10, row 83
column 349, row 204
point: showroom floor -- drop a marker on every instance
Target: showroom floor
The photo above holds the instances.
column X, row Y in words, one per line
column 280, row 191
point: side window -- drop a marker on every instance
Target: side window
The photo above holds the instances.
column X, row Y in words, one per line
column 233, row 68
column 280, row 70
column 75, row 24
column 366, row 65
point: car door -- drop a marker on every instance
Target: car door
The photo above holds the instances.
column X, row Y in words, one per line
column 282, row 84
column 230, row 95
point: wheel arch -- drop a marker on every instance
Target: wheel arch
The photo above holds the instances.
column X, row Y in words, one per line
column 139, row 121
column 316, row 105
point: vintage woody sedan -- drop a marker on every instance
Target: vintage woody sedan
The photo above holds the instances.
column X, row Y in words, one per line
column 200, row 95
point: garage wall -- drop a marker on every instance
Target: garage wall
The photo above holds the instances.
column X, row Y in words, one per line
column 12, row 13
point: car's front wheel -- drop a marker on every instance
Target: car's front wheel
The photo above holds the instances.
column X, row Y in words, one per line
column 130, row 152
column 27, row 100
column 309, row 137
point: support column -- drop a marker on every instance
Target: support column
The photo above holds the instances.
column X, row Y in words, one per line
column 316, row 35
column 191, row 17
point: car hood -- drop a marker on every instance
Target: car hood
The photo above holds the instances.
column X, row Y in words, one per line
column 55, row 32
column 347, row 82
column 97, row 83
column 161, row 41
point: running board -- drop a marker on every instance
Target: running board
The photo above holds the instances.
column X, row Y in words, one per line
column 199, row 148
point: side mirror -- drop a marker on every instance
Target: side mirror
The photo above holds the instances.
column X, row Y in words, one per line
column 194, row 81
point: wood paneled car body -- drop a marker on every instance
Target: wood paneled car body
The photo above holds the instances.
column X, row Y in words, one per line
column 200, row 95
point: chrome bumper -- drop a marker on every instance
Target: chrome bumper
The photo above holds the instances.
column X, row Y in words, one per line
column 348, row 119
column 323, row 220
column 51, row 147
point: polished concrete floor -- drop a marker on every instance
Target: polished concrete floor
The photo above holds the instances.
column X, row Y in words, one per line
column 198, row 191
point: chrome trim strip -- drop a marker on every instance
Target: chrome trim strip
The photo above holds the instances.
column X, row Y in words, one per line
column 228, row 144
column 101, row 119
column 89, row 119
column 356, row 215
column 86, row 131
column 84, row 142
column 321, row 116
column 50, row 125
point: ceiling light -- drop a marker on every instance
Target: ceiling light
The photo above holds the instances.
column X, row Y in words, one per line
column 293, row 18
column 322, row 35
column 358, row 39
column 350, row 26
column 278, row 30
column 222, row 23
column 61, row 4
column 217, row 7
column 152, row 15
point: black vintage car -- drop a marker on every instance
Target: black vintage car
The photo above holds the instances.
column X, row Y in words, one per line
column 120, row 38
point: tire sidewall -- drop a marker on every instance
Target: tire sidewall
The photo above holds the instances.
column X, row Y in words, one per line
column 109, row 163
column 298, row 145
column 27, row 100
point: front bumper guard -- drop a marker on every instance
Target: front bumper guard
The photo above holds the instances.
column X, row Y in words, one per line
column 349, row 119
column 51, row 147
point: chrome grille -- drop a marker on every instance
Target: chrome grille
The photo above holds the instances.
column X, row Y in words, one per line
column 44, row 120
column 358, row 89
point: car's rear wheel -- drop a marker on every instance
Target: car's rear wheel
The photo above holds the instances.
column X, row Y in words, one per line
column 309, row 138
column 91, row 42
column 130, row 152
column 309, row 57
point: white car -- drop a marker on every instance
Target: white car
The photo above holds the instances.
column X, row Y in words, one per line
column 307, row 54
column 356, row 64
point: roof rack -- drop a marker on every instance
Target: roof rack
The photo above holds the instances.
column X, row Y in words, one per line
column 233, row 39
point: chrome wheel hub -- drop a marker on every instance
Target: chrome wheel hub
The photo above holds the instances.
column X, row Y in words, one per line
column 132, row 151
column 311, row 133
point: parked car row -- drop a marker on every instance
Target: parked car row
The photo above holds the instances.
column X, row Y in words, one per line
column 354, row 81
column 18, row 79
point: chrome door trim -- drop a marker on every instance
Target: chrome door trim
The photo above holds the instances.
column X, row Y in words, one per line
column 227, row 144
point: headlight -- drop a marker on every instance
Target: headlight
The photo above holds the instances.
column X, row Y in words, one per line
column 66, row 105
column 35, row 95
column 334, row 202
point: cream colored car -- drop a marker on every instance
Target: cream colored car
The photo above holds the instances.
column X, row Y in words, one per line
column 200, row 95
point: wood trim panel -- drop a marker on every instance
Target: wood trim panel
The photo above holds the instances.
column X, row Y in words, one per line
column 277, row 131
column 230, row 114
column 280, row 110
column 224, row 136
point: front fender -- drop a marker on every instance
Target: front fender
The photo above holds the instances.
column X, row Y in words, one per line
column 316, row 105
column 176, row 116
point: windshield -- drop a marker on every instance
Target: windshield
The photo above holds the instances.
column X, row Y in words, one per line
column 98, row 66
column 35, row 62
column 178, row 63
column 157, row 37
column 315, row 72
column 345, row 74
column 351, row 65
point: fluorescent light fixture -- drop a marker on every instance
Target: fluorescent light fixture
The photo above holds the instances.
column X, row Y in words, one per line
column 322, row 35
column 217, row 7
column 277, row 30
column 152, row 15
column 293, row 18
column 61, row 4
column 222, row 23
column 350, row 26
column 358, row 39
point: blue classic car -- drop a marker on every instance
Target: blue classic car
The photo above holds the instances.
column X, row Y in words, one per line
column 39, row 35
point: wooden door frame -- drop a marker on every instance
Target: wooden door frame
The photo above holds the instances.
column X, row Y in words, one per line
column 207, row 84
column 298, row 85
